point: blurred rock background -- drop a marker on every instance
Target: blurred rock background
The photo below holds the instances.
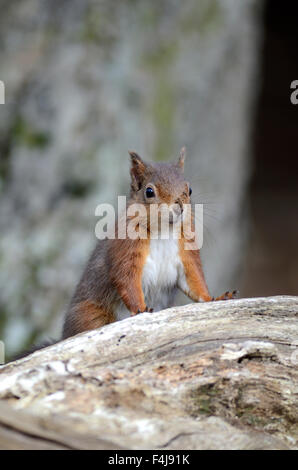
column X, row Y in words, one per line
column 85, row 81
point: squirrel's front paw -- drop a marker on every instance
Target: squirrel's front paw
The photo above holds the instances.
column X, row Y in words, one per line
column 132, row 314
column 227, row 295
column 147, row 309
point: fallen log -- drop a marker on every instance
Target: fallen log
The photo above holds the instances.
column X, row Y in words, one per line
column 218, row 375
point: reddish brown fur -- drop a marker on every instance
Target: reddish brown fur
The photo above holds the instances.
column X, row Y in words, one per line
column 194, row 273
column 114, row 271
column 90, row 316
column 127, row 258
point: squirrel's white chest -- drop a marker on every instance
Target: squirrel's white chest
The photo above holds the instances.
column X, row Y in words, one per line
column 162, row 265
column 161, row 273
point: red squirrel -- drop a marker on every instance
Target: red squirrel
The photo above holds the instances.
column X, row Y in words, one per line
column 126, row 277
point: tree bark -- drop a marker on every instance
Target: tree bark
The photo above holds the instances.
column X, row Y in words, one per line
column 219, row 375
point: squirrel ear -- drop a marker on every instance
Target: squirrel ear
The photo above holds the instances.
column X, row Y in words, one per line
column 137, row 170
column 182, row 158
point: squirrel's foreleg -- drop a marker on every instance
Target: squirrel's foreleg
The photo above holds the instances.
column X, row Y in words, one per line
column 126, row 272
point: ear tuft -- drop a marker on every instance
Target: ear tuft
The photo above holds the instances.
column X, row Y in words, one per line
column 135, row 158
column 182, row 158
column 137, row 170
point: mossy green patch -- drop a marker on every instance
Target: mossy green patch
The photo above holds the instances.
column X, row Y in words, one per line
column 97, row 27
column 163, row 113
column 77, row 188
column 203, row 17
column 24, row 134
column 161, row 57
column 203, row 400
column 162, row 108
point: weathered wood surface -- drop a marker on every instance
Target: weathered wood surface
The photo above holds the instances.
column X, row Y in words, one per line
column 219, row 375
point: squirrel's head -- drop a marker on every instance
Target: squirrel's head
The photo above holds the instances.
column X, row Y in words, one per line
column 160, row 183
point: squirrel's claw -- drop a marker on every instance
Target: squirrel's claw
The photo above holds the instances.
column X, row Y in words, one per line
column 227, row 295
column 147, row 309
column 132, row 314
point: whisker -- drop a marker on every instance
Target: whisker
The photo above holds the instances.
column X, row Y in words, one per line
column 210, row 213
column 205, row 199
column 211, row 216
column 210, row 237
column 206, row 229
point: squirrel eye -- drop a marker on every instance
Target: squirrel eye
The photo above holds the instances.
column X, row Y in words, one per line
column 190, row 191
column 149, row 192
